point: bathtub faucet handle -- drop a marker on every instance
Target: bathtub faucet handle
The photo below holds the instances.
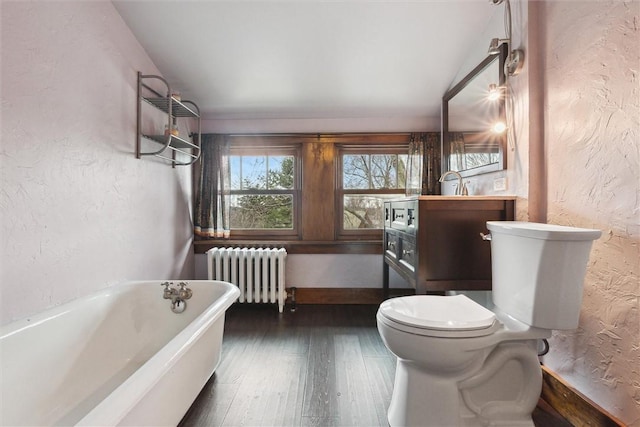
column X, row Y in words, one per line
column 167, row 293
column 185, row 293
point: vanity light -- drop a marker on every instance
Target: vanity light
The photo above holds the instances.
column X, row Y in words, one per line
column 499, row 127
column 495, row 92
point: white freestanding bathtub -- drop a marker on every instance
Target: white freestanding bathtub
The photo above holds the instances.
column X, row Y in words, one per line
column 116, row 357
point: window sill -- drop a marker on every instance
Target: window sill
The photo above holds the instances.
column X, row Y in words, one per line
column 354, row 247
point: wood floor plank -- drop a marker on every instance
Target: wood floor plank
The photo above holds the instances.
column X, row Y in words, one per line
column 270, row 395
column 381, row 374
column 354, row 393
column 371, row 344
column 215, row 400
column 320, row 399
column 238, row 351
column 320, row 422
column 284, row 340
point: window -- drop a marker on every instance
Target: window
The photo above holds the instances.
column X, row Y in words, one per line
column 264, row 190
column 367, row 176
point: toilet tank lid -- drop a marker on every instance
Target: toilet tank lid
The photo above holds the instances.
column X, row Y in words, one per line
column 456, row 312
column 542, row 231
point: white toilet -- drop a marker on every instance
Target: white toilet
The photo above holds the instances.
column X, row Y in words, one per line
column 461, row 364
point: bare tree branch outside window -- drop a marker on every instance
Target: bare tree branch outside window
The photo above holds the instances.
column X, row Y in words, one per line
column 371, row 174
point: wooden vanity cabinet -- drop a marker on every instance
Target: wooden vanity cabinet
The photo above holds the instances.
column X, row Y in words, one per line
column 434, row 242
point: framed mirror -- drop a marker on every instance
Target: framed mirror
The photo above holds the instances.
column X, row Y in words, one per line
column 470, row 143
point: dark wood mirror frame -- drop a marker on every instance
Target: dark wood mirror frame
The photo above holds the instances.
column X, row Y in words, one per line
column 500, row 138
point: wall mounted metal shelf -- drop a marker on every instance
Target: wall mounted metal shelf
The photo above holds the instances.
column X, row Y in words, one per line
column 174, row 109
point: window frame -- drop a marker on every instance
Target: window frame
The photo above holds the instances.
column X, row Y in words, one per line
column 269, row 146
column 372, row 148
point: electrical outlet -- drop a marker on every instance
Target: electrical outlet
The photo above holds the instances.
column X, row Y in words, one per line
column 500, row 184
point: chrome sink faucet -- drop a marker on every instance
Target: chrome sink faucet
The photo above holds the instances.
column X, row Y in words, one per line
column 461, row 189
column 177, row 295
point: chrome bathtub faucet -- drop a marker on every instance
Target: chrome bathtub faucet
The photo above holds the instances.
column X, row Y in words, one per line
column 177, row 295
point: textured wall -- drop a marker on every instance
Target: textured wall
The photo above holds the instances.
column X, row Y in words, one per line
column 593, row 141
column 79, row 211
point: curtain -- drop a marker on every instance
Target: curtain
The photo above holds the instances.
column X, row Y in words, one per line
column 423, row 164
column 457, row 158
column 414, row 166
column 212, row 188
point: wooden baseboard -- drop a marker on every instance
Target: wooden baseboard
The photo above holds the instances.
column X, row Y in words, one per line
column 572, row 405
column 342, row 295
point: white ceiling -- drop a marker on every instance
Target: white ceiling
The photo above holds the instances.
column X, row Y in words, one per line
column 309, row 59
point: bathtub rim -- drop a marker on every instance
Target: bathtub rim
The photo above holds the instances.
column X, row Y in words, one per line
column 50, row 313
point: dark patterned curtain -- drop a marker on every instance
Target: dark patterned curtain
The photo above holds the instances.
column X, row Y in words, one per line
column 212, row 188
column 423, row 168
column 457, row 158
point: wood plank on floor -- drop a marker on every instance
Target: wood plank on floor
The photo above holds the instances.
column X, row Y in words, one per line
column 353, row 389
column 270, row 395
column 381, row 374
column 214, row 402
column 320, row 399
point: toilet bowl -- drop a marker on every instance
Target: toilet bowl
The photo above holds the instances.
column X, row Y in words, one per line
column 462, row 364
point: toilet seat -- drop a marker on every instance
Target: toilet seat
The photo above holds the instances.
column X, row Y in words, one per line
column 439, row 316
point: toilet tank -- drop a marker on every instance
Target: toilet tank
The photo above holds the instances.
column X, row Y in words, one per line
column 538, row 271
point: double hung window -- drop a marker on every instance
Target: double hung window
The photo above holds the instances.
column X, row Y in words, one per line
column 264, row 190
column 366, row 176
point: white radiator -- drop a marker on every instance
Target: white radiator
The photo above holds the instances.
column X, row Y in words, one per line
column 258, row 272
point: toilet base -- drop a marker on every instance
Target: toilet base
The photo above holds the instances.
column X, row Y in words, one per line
column 501, row 390
column 412, row 388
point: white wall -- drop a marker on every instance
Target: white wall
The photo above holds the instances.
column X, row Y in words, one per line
column 79, row 211
column 593, row 169
column 361, row 124
column 328, row 271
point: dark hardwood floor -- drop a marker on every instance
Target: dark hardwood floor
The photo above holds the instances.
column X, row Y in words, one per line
column 322, row 365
